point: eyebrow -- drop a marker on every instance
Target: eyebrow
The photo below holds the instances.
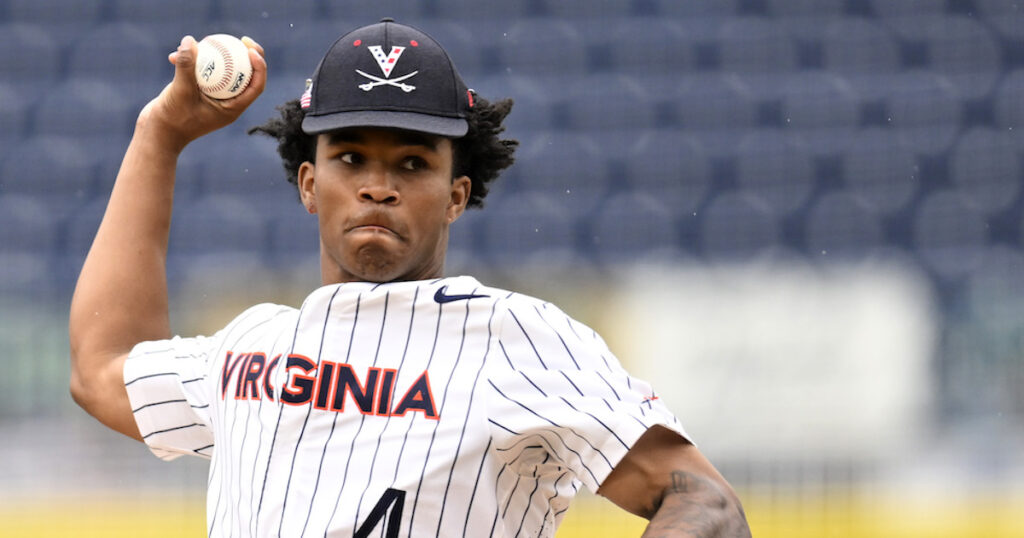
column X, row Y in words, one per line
column 405, row 138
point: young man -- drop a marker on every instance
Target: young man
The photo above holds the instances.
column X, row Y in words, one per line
column 395, row 401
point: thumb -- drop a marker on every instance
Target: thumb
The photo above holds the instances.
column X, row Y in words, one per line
column 184, row 60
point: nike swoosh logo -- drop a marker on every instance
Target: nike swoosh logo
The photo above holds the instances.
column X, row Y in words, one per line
column 443, row 298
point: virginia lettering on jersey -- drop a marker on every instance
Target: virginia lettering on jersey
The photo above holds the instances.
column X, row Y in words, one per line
column 327, row 386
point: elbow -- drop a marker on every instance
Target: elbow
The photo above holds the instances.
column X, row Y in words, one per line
column 89, row 376
column 705, row 504
column 732, row 520
column 79, row 389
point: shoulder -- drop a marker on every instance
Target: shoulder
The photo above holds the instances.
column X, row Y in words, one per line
column 524, row 311
column 532, row 332
column 262, row 313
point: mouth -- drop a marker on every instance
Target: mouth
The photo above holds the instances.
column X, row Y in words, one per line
column 373, row 226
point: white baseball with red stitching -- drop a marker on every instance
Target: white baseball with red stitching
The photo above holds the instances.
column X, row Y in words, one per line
column 223, row 69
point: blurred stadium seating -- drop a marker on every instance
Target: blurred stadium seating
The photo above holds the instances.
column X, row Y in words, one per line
column 722, row 130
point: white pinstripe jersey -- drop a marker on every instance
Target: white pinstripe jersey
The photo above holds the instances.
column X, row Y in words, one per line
column 412, row 409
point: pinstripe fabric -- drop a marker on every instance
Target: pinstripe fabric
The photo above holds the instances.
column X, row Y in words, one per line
column 433, row 408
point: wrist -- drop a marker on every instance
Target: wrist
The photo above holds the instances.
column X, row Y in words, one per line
column 159, row 133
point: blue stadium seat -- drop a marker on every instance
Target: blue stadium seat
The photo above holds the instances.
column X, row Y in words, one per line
column 54, row 166
column 294, row 11
column 924, row 109
column 1006, row 16
column 1008, row 102
column 14, row 112
column 859, row 46
column 361, row 13
column 633, row 225
column 544, row 47
column 906, row 9
column 578, row 10
column 828, row 143
column 755, row 45
column 85, row 108
column 608, row 101
column 842, row 224
column 79, row 12
column 283, row 87
column 25, row 274
column 523, row 225
column 26, row 224
column 464, row 236
column 564, row 166
column 293, row 233
column 818, row 100
column 273, row 24
column 239, row 164
column 671, row 165
column 804, row 8
column 696, row 8
column 472, row 9
column 714, row 101
column 217, row 271
column 993, row 288
column 950, row 233
column 217, row 223
column 776, row 168
column 986, row 167
column 534, row 108
column 881, row 169
column 186, row 13
column 737, row 225
column 81, row 225
column 125, row 56
column 301, row 51
column 958, row 47
column 645, row 47
column 37, row 63
column 462, row 45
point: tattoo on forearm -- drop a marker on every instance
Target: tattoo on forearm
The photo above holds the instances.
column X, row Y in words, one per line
column 683, row 482
column 695, row 506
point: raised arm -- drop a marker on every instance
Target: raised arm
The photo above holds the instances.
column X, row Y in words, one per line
column 121, row 295
column 665, row 479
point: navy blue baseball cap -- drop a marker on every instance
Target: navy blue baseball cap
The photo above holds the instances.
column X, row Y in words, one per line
column 387, row 75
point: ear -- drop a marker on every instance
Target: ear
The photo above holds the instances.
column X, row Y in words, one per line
column 306, row 181
column 461, row 187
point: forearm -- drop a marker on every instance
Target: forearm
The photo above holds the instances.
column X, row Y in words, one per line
column 121, row 295
column 695, row 506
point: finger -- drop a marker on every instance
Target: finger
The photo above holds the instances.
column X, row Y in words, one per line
column 252, row 44
column 184, row 59
column 259, row 72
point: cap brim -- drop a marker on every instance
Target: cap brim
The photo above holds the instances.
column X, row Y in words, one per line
column 437, row 125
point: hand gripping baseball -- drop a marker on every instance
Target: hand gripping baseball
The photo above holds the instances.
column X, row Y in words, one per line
column 182, row 113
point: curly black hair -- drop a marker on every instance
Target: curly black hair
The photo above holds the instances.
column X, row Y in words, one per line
column 479, row 155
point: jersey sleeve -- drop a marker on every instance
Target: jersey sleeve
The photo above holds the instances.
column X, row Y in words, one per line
column 170, row 385
column 558, row 393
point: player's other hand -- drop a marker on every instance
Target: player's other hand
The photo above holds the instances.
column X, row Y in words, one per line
column 181, row 112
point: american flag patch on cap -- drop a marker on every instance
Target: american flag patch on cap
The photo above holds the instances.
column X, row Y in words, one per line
column 307, row 95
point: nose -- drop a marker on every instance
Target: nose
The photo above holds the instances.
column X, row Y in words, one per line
column 378, row 187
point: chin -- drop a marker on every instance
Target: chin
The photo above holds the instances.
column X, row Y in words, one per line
column 374, row 266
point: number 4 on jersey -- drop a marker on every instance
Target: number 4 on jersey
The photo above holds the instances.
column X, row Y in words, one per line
column 389, row 510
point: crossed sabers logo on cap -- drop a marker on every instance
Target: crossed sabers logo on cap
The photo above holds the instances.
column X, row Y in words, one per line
column 387, row 63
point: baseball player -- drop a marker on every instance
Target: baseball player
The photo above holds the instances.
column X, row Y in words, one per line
column 395, row 401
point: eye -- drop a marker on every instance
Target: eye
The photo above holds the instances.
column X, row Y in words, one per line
column 350, row 158
column 414, row 163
